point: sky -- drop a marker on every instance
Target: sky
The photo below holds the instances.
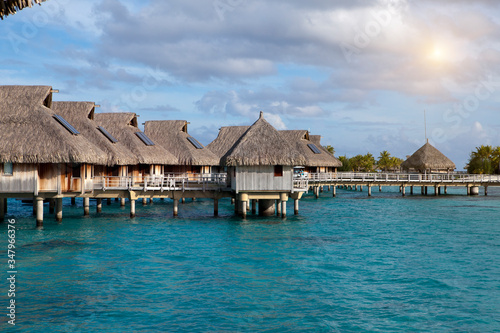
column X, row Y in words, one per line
column 366, row 75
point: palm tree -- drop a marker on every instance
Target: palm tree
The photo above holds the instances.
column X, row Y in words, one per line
column 384, row 160
column 10, row 7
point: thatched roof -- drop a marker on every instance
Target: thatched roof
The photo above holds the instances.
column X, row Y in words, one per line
column 173, row 136
column 81, row 116
column 226, row 139
column 30, row 134
column 123, row 127
column 301, row 139
column 428, row 157
column 260, row 144
column 10, row 7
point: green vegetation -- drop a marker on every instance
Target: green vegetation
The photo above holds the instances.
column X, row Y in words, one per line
column 485, row 160
column 330, row 149
column 367, row 163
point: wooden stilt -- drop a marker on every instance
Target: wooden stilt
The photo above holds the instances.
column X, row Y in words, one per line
column 254, row 206
column 485, row 192
column 411, row 190
column 144, row 201
column 108, row 201
column 436, row 190
column 369, row 191
column 132, row 208
column 334, row 191
column 51, row 206
column 283, row 209
column 73, row 201
column 122, row 202
column 403, row 190
column 296, row 205
column 216, row 207
column 39, row 212
column 278, row 207
column 98, row 206
column 176, row 207
column 59, row 209
column 244, row 209
column 86, row 206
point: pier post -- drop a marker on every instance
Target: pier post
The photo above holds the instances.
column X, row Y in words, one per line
column 283, row 209
column 132, row 208
column 334, row 191
column 468, row 190
column 369, row 191
column 485, row 192
column 411, row 190
column 278, row 207
column 266, row 207
column 236, row 207
column 216, row 207
column 380, row 188
column 474, row 190
column 34, row 207
column 39, row 212
column 176, row 207
column 296, row 206
column 360, row 188
column 439, row 190
column 321, row 189
column 232, row 201
column 59, row 209
column 86, row 206
column 254, row 206
column 144, row 201
column 73, row 201
column 151, row 201
column 426, row 190
column 122, row 202
column 194, row 199
column 99, row 206
column 248, row 205
column 183, row 200
column 51, row 206
column 446, row 190
column 244, row 209
column 2, row 210
column 403, row 190
column 108, row 201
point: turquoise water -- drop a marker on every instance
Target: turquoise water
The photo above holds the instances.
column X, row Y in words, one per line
column 346, row 264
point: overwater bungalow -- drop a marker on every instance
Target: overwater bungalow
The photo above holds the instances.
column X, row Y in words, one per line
column 152, row 158
column 42, row 154
column 260, row 165
column 428, row 160
column 193, row 157
column 318, row 159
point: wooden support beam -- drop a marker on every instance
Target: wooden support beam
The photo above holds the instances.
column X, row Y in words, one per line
column 283, row 209
column 39, row 212
column 86, row 206
column 244, row 208
column 296, row 206
column 176, row 207
column 122, row 202
column 144, row 201
column 99, row 206
column 132, row 208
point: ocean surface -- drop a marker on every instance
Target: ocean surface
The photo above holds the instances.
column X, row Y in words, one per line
column 345, row 264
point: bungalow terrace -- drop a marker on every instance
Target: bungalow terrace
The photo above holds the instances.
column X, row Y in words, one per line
column 260, row 165
column 152, row 159
column 43, row 156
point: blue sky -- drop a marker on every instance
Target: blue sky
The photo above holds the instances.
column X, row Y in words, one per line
column 360, row 73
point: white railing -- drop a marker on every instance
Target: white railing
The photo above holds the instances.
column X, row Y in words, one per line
column 300, row 185
column 402, row 177
column 170, row 182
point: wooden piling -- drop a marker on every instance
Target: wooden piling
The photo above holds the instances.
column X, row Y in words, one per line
column 254, row 206
column 176, row 207
column 244, row 209
column 132, row 208
column 86, row 206
column 403, row 190
column 99, row 206
column 283, row 209
column 369, row 191
column 122, row 202
column 59, row 209
column 334, row 191
column 278, row 207
column 296, row 205
column 39, row 212
column 73, row 201
column 216, row 207
column 144, row 201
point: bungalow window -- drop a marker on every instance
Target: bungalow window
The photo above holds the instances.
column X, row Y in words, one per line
column 278, row 171
column 76, row 171
column 8, row 169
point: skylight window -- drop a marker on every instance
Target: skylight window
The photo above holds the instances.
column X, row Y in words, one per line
column 66, row 125
column 147, row 141
column 195, row 142
column 313, row 147
column 107, row 134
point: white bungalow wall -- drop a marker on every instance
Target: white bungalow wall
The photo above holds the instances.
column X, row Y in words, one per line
column 261, row 178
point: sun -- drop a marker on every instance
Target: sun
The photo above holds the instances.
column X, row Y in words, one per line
column 437, row 54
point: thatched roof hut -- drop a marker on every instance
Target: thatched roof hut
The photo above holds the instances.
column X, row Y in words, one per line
column 226, row 139
column 10, row 7
column 302, row 140
column 124, row 126
column 81, row 116
column 173, row 136
column 30, row 134
column 260, row 144
column 428, row 158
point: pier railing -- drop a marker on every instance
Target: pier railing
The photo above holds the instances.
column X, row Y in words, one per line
column 300, row 185
column 171, row 182
column 402, row 177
